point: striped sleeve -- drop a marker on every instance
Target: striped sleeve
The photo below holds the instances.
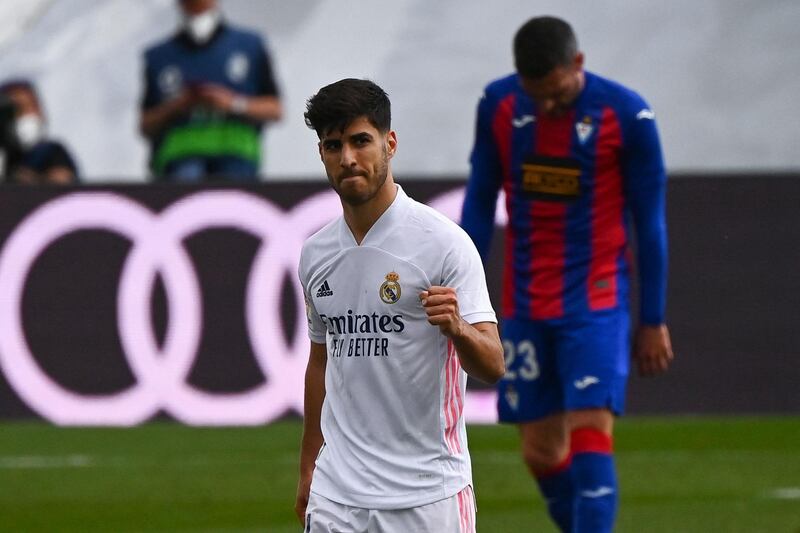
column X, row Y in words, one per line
column 645, row 183
column 477, row 215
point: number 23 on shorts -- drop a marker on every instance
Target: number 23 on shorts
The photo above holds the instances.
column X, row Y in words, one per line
column 521, row 360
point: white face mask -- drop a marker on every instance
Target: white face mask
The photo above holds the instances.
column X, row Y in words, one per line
column 202, row 26
column 29, row 129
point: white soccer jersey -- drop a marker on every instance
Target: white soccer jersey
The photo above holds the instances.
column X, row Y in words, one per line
column 392, row 417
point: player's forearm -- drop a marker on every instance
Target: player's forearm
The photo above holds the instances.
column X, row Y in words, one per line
column 154, row 120
column 259, row 108
column 314, row 397
column 480, row 351
column 311, row 443
column 653, row 285
column 650, row 217
column 309, row 449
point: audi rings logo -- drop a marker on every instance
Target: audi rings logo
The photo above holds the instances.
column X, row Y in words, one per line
column 161, row 371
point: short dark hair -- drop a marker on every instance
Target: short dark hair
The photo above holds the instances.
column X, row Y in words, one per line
column 542, row 44
column 16, row 84
column 337, row 105
column 10, row 86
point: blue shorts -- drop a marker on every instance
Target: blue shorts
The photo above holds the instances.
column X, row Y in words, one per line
column 564, row 365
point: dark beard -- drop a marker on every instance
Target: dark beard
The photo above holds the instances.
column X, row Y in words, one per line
column 381, row 175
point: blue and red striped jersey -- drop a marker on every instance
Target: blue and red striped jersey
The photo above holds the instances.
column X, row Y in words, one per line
column 575, row 186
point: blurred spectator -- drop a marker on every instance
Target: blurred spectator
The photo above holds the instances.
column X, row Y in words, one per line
column 209, row 89
column 30, row 157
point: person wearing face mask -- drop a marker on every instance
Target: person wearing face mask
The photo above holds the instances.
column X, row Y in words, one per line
column 208, row 92
column 30, row 157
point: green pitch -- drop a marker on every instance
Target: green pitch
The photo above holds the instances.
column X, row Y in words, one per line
column 677, row 475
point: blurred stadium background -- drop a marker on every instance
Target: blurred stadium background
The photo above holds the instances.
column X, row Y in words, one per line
column 720, row 74
column 95, row 330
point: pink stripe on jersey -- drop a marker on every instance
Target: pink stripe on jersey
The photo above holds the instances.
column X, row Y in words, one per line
column 608, row 230
column 462, row 526
column 447, row 400
column 459, row 400
column 453, row 403
column 466, row 511
column 451, row 407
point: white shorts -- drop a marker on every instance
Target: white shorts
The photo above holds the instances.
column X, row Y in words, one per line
column 455, row 514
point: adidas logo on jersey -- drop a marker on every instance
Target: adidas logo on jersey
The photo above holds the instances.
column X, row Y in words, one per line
column 324, row 290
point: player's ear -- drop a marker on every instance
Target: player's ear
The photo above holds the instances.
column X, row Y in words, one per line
column 578, row 61
column 319, row 148
column 391, row 142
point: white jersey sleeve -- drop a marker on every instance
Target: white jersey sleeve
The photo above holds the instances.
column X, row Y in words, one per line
column 316, row 326
column 463, row 271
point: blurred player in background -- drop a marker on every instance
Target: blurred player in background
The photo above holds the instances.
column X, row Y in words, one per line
column 209, row 90
column 397, row 306
column 579, row 160
column 30, row 157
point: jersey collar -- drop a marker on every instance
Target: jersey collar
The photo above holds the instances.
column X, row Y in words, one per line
column 383, row 228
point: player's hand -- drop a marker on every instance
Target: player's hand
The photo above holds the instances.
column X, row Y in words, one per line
column 183, row 102
column 216, row 96
column 652, row 349
column 301, row 502
column 441, row 306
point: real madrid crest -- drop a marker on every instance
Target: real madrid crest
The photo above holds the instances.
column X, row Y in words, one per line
column 390, row 289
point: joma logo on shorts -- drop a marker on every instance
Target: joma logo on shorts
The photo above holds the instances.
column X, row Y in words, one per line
column 585, row 381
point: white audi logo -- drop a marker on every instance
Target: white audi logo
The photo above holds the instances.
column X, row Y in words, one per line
column 157, row 250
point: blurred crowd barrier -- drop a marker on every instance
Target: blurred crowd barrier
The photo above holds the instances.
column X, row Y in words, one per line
column 121, row 304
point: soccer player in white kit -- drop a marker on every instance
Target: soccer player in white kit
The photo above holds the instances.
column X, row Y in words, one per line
column 398, row 310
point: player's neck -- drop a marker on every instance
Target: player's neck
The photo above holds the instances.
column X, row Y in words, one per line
column 360, row 218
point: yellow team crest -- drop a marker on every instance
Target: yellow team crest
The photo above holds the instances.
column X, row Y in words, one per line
column 390, row 289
